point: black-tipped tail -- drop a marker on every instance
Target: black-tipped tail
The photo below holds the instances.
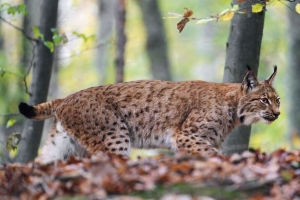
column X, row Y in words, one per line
column 26, row 110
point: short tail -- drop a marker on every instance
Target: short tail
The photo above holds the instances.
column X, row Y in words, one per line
column 41, row 111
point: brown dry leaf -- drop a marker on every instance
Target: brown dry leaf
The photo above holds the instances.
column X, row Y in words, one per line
column 102, row 174
column 188, row 12
column 182, row 23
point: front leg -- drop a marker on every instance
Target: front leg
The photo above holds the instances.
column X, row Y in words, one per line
column 201, row 133
column 194, row 145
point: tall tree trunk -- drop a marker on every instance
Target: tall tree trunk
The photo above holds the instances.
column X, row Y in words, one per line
column 30, row 20
column 243, row 47
column 106, row 18
column 32, row 132
column 121, row 39
column 293, row 71
column 156, row 40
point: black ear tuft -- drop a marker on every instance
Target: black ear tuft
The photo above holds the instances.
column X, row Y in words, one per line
column 26, row 110
column 270, row 80
column 248, row 67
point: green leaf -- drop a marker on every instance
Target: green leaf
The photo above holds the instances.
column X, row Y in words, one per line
column 298, row 8
column 11, row 10
column 21, row 9
column 235, row 8
column 57, row 39
column 50, row 45
column 256, row 8
column 10, row 123
column 83, row 36
column 37, row 33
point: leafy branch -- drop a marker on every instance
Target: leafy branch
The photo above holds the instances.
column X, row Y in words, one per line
column 57, row 38
column 228, row 14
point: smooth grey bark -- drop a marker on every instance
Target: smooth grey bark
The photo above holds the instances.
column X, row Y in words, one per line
column 121, row 39
column 293, row 71
column 32, row 132
column 243, row 47
column 156, row 46
column 106, row 22
column 30, row 20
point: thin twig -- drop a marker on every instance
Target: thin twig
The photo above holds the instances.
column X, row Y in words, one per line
column 32, row 41
column 29, row 69
column 20, row 29
column 9, row 114
column 83, row 51
column 289, row 6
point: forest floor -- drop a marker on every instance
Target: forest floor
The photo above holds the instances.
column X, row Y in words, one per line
column 251, row 175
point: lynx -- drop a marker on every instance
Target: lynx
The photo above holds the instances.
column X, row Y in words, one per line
column 193, row 116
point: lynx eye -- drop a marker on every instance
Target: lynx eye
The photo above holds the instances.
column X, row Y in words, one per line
column 264, row 100
column 278, row 100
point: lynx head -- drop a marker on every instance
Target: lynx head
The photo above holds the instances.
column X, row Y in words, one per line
column 259, row 101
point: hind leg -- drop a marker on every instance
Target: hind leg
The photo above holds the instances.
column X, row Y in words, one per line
column 111, row 136
column 59, row 146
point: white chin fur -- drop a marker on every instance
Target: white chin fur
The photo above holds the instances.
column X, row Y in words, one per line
column 251, row 120
column 266, row 121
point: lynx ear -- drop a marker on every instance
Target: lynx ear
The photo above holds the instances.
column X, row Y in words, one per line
column 250, row 82
column 270, row 80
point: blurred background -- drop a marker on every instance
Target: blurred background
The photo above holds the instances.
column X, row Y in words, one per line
column 198, row 53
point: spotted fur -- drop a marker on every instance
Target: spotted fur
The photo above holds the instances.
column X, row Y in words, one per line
column 193, row 116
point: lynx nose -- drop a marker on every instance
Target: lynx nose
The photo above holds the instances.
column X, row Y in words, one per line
column 276, row 114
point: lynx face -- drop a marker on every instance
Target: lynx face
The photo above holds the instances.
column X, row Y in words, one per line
column 260, row 102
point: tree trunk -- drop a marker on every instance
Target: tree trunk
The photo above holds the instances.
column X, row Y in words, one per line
column 32, row 132
column 243, row 47
column 156, row 40
column 121, row 39
column 30, row 20
column 106, row 19
column 293, row 71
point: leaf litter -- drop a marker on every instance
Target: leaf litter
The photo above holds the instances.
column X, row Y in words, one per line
column 102, row 175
